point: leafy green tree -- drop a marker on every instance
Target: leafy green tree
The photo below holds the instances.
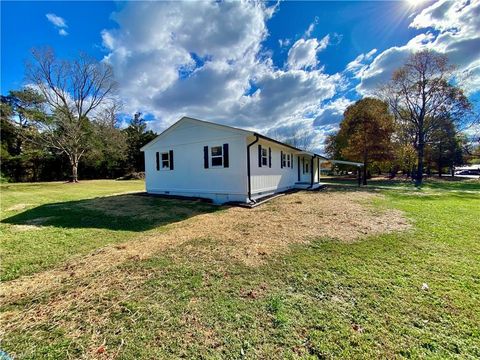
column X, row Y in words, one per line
column 109, row 150
column 137, row 136
column 445, row 147
column 334, row 144
column 365, row 133
column 8, row 137
column 27, row 105
column 20, row 109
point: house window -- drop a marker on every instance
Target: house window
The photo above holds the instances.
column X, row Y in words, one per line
column 306, row 167
column 217, row 156
column 284, row 161
column 264, row 157
column 288, row 160
column 165, row 161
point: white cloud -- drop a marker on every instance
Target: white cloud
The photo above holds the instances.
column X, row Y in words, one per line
column 108, row 40
column 358, row 66
column 325, row 122
column 311, row 28
column 332, row 113
column 322, row 45
column 456, row 33
column 56, row 20
column 284, row 42
column 59, row 23
column 303, row 54
column 212, row 67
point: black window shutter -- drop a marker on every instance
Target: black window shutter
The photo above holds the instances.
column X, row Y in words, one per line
column 158, row 160
column 205, row 157
column 225, row 155
column 269, row 157
column 298, row 167
column 171, row 159
column 291, row 158
column 281, row 159
column 259, row 155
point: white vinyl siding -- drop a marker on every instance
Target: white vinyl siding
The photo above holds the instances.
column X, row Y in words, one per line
column 265, row 179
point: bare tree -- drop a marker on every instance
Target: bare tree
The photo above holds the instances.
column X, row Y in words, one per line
column 73, row 90
column 421, row 96
column 300, row 139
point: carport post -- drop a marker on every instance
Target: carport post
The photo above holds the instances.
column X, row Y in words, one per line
column 359, row 176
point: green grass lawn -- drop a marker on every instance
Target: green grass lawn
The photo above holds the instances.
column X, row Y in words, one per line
column 44, row 224
column 433, row 183
column 327, row 299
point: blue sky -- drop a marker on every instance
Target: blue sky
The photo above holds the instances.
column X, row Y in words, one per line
column 272, row 67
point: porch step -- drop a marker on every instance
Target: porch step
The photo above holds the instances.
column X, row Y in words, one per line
column 307, row 186
column 317, row 186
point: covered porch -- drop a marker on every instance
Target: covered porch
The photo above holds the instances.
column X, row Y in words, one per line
column 308, row 170
column 310, row 166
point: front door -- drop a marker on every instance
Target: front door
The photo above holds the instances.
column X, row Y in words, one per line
column 305, row 169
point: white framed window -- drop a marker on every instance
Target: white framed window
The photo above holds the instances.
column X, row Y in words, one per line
column 165, row 161
column 216, row 155
column 264, row 157
column 288, row 160
column 284, row 160
column 306, row 167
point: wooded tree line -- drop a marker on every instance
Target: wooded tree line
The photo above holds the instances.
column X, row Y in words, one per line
column 415, row 125
column 66, row 120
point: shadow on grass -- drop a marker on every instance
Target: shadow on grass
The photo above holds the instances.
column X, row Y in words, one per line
column 128, row 212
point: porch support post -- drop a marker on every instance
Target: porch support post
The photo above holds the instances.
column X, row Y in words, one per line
column 311, row 170
column 318, row 169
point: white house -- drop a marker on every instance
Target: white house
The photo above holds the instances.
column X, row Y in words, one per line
column 197, row 158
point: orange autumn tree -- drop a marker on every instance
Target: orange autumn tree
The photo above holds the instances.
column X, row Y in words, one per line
column 367, row 128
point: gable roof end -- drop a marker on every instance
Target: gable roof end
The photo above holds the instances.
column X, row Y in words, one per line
column 193, row 120
column 225, row 127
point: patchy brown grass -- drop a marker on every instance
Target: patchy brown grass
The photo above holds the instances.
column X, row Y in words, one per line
column 33, row 224
column 17, row 207
column 245, row 235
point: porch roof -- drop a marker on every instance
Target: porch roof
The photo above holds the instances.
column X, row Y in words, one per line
column 343, row 162
column 299, row 151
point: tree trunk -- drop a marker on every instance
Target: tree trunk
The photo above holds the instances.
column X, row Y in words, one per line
column 18, row 164
column 74, row 165
column 365, row 160
column 420, row 153
column 74, row 173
